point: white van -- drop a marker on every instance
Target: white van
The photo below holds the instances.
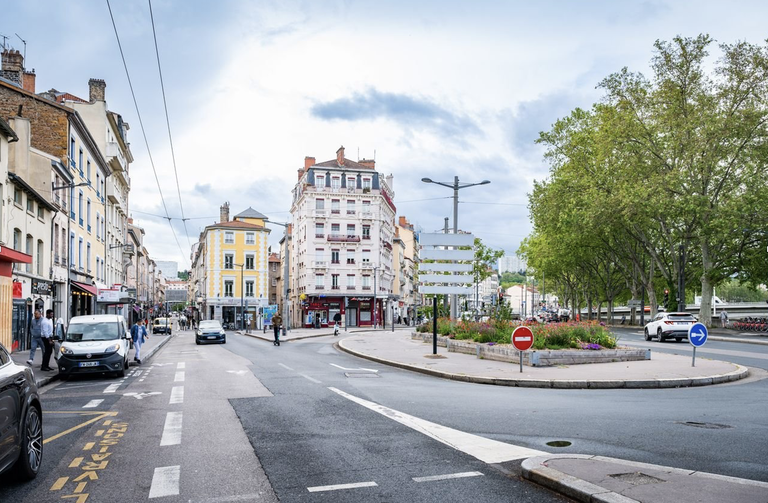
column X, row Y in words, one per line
column 98, row 343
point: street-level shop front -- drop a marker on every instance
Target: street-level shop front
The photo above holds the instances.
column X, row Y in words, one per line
column 318, row 312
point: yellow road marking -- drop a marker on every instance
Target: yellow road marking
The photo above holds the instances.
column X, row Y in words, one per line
column 81, row 498
column 89, row 446
column 87, row 475
column 59, row 483
column 76, row 462
column 99, row 433
column 99, row 416
column 107, row 422
column 104, row 449
column 80, row 487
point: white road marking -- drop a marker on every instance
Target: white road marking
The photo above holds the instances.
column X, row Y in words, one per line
column 112, row 388
column 177, row 395
column 285, row 366
column 93, row 403
column 165, row 481
column 344, row 368
column 179, row 376
column 305, row 376
column 181, row 365
column 337, row 487
column 138, row 373
column 447, row 477
column 139, row 396
column 238, row 372
column 484, row 449
column 172, row 429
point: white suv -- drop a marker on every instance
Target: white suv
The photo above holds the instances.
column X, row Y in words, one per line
column 669, row 326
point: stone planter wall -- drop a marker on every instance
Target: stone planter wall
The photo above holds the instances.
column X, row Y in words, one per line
column 536, row 358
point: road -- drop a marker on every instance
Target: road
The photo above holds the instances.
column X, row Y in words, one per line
column 248, row 421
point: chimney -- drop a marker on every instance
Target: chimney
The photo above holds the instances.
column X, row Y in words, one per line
column 403, row 222
column 340, row 156
column 28, row 81
column 130, row 220
column 96, row 90
column 368, row 163
column 12, row 66
column 301, row 172
column 308, row 162
column 224, row 213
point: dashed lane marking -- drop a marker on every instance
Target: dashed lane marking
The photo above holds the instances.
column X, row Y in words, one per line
column 305, row 376
column 344, row 368
column 165, row 482
column 93, row 404
column 172, row 429
column 285, row 366
column 448, row 476
column 181, row 365
column 338, row 487
column 179, row 377
column 112, row 388
column 177, row 395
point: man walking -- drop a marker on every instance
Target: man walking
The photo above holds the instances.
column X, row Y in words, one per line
column 36, row 330
column 47, row 335
column 277, row 320
column 723, row 318
column 139, row 335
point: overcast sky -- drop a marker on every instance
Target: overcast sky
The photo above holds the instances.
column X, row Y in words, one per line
column 430, row 88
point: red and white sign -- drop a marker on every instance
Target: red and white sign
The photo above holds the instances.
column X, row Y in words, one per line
column 522, row 338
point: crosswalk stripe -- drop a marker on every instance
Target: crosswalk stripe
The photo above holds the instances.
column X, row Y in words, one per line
column 165, row 481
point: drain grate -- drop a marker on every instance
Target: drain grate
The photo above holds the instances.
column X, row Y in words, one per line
column 636, row 478
column 361, row 374
column 707, row 426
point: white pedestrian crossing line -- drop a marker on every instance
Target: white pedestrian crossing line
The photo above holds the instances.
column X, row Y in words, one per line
column 172, row 429
column 93, row 403
column 112, row 388
column 448, row 476
column 165, row 482
column 337, row 487
column 484, row 449
column 181, row 365
column 179, row 376
column 177, row 395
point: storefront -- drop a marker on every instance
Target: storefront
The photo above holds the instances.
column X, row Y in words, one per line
column 83, row 299
column 318, row 312
column 13, row 306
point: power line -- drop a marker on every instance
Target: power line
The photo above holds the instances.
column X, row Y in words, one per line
column 498, row 204
column 164, row 217
column 428, row 199
column 141, row 125
column 168, row 123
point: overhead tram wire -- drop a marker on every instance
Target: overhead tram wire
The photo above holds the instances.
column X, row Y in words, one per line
column 143, row 132
column 168, row 123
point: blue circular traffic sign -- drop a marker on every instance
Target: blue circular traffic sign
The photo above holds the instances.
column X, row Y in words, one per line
column 697, row 334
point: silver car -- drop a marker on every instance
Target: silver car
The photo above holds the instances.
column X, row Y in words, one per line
column 669, row 326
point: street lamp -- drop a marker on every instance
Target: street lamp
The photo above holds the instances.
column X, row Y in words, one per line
column 70, row 244
column 242, row 296
column 455, row 186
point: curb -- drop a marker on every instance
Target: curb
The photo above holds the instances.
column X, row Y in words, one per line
column 740, row 373
column 536, row 470
column 271, row 339
column 735, row 339
column 157, row 348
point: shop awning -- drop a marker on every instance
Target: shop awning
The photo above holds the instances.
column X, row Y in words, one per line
column 86, row 288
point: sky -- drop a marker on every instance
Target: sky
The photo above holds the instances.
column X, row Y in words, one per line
column 433, row 89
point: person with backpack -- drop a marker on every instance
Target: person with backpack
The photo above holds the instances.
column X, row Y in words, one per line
column 139, row 335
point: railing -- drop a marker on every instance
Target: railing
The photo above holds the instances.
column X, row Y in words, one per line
column 335, row 211
column 366, row 236
column 366, row 288
column 320, row 213
column 350, row 212
column 337, row 287
column 368, row 215
column 350, row 287
column 319, row 236
column 341, row 238
column 367, row 265
column 319, row 287
column 320, row 264
column 350, row 261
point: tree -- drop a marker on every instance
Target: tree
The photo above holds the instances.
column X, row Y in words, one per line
column 482, row 266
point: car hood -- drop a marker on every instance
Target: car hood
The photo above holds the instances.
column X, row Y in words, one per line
column 89, row 346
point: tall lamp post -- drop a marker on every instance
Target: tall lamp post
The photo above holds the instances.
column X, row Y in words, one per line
column 242, row 296
column 455, row 186
column 69, row 241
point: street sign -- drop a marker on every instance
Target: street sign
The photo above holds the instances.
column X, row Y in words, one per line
column 634, row 303
column 522, row 338
column 697, row 334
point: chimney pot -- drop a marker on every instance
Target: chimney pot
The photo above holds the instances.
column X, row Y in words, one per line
column 96, row 90
column 12, row 65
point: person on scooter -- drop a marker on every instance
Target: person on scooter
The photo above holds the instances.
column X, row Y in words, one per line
column 336, row 323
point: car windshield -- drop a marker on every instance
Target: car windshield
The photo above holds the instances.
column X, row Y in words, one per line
column 103, row 331
column 209, row 325
column 681, row 317
column 162, row 321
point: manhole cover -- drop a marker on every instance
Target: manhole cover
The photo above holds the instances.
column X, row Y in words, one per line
column 636, row 478
column 707, row 426
column 360, row 374
column 559, row 443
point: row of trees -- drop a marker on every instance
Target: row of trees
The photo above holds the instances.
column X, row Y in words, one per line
column 665, row 177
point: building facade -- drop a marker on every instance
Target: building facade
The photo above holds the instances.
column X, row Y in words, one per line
column 342, row 248
column 410, row 299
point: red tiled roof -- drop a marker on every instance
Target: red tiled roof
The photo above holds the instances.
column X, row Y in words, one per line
column 236, row 224
column 333, row 163
column 60, row 98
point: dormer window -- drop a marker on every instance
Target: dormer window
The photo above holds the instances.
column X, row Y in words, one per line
column 366, row 183
column 320, row 181
column 335, row 182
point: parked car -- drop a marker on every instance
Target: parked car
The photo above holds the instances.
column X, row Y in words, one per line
column 669, row 326
column 21, row 420
column 97, row 343
column 162, row 326
column 210, row 331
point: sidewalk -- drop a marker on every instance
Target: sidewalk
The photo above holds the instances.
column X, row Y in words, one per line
column 296, row 334
column 149, row 348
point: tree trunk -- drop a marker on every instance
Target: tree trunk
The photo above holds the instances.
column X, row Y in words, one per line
column 705, row 309
column 600, row 311
column 610, row 310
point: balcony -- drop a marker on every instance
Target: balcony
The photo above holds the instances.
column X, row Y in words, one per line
column 319, row 287
column 367, row 265
column 339, row 238
column 350, row 212
column 387, row 245
column 320, row 236
column 335, row 212
column 320, row 264
column 366, row 288
column 320, row 213
column 366, row 215
column 350, row 287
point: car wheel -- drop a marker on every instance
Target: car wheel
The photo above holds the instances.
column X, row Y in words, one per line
column 660, row 335
column 679, row 339
column 647, row 335
column 224, row 341
column 31, row 446
column 197, row 342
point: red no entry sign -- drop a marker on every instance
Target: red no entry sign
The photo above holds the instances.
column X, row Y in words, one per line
column 522, row 338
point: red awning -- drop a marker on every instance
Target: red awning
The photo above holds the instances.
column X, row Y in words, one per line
column 86, row 288
column 11, row 255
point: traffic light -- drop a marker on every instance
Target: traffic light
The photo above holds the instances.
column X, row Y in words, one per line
column 501, row 297
column 666, row 299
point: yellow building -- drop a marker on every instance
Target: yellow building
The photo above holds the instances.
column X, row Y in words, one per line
column 235, row 262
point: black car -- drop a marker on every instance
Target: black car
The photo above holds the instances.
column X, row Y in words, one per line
column 21, row 419
column 210, row 331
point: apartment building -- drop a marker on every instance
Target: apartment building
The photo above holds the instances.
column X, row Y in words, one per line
column 343, row 228
column 408, row 257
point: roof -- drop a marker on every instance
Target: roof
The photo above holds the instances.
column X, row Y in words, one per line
column 8, row 131
column 16, row 179
column 251, row 213
column 234, row 224
column 348, row 164
column 274, row 257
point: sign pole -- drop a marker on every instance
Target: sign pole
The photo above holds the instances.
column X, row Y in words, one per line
column 434, row 325
column 693, row 363
column 521, row 362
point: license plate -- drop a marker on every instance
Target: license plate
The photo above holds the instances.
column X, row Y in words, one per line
column 89, row 364
column 211, row 336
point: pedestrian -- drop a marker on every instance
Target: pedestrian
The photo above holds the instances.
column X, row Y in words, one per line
column 139, row 335
column 277, row 320
column 47, row 335
column 36, row 331
column 336, row 323
column 723, row 318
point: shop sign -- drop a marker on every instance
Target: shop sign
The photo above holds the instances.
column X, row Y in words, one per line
column 112, row 296
column 41, row 287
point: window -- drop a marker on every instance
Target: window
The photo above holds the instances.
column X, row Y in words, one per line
column 250, row 238
column 351, row 183
column 350, row 256
column 88, row 214
column 249, row 288
column 98, row 225
column 71, row 249
column 80, row 208
column 320, row 181
column 56, row 243
column 30, row 205
column 319, row 254
column 367, row 205
column 319, row 204
column 335, row 229
column 229, row 237
column 88, row 171
column 334, row 281
column 40, row 252
column 350, row 230
column 335, row 206
column 72, row 203
column 319, row 281
column 319, row 230
column 28, row 251
column 80, row 253
column 228, row 288
column 366, row 282
column 40, row 212
column 17, row 239
column 366, row 183
column 350, row 207
column 274, row 281
column 72, row 151
column 334, row 256
column 350, row 281
column 229, row 261
column 335, row 182
column 98, row 184
column 249, row 262
column 80, row 162
column 17, row 196
column 88, row 257
column 366, row 256
column 366, row 232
